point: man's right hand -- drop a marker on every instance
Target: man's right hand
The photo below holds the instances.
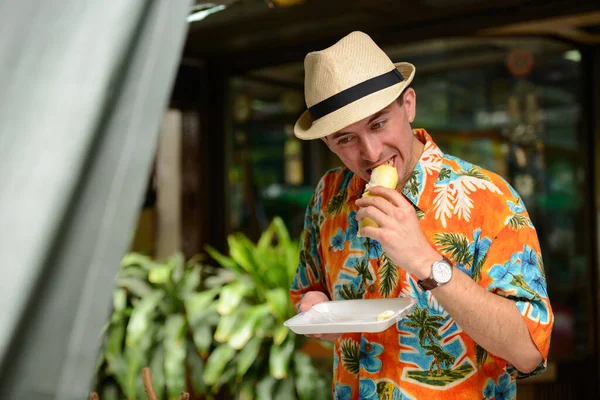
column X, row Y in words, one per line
column 307, row 302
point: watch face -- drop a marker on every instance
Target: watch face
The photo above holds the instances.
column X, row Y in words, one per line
column 442, row 272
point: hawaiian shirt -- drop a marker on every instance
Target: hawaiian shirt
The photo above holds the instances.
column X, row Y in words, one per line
column 475, row 219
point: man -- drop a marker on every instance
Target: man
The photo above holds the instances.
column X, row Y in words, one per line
column 453, row 236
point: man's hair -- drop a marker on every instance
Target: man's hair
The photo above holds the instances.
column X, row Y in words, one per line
column 400, row 99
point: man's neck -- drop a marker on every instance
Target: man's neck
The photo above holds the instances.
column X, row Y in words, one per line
column 417, row 151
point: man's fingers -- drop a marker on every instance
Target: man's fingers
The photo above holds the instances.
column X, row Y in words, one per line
column 390, row 195
column 374, row 213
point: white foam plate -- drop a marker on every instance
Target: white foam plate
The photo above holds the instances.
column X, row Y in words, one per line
column 345, row 316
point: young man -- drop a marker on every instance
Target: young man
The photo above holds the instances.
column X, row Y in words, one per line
column 453, row 236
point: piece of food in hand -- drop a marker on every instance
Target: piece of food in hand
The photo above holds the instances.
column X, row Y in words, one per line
column 387, row 314
column 385, row 175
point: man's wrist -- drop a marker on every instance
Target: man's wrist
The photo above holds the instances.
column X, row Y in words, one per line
column 423, row 270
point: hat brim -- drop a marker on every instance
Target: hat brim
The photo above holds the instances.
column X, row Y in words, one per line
column 307, row 129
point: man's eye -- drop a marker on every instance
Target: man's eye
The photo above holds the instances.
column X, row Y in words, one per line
column 344, row 140
column 378, row 125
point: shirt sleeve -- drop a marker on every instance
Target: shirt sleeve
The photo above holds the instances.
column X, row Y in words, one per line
column 310, row 275
column 513, row 268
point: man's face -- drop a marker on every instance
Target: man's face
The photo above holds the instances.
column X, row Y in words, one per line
column 385, row 135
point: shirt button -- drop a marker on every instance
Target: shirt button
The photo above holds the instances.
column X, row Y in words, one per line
column 372, row 288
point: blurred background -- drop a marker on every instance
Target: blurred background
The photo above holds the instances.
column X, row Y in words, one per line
column 510, row 85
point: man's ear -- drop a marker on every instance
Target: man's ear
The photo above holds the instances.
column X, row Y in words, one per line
column 410, row 104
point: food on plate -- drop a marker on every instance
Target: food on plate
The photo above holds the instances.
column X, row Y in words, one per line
column 387, row 314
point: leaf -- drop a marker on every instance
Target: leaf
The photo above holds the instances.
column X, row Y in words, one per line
column 481, row 354
column 133, row 272
column 159, row 274
column 540, row 261
column 196, row 304
column 241, row 249
column 136, row 356
column 309, row 383
column 456, row 245
column 157, row 366
column 247, row 355
column 245, row 330
column 265, row 388
column 227, row 325
column 196, row 365
column 140, row 318
column 119, row 300
column 135, row 286
column 215, row 365
column 175, row 351
column 230, row 297
column 226, row 262
column 114, row 341
column 475, row 173
column 280, row 303
column 203, row 338
column 349, row 292
column 190, row 281
column 444, row 174
column 225, row 378
column 280, row 334
column 283, row 236
column 279, row 358
column 136, row 259
column 517, row 222
column 177, row 264
column 246, row 391
column 336, row 204
column 286, row 389
column 266, row 327
column 350, row 356
column 478, row 267
column 389, row 277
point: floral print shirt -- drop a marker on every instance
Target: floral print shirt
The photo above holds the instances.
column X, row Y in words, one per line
column 471, row 216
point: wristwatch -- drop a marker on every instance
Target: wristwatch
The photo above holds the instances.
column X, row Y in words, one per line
column 441, row 273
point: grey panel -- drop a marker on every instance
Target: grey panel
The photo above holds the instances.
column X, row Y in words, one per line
column 84, row 86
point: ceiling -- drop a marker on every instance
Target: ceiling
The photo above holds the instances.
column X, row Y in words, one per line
column 256, row 33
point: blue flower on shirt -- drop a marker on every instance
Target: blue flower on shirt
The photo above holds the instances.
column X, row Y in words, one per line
column 490, row 390
column 505, row 390
column 368, row 390
column 517, row 207
column 337, row 241
column 369, row 355
column 342, row 392
column 352, row 230
column 479, row 246
column 531, row 271
column 504, row 274
column 374, row 248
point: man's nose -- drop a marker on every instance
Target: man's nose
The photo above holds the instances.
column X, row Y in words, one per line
column 370, row 149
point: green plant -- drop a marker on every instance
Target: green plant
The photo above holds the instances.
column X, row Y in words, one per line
column 216, row 329
column 260, row 356
column 149, row 326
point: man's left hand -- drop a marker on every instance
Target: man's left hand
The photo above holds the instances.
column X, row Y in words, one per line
column 399, row 232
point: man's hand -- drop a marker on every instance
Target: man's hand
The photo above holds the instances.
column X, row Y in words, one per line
column 309, row 300
column 399, row 232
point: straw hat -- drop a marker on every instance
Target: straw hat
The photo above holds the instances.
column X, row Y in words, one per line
column 346, row 83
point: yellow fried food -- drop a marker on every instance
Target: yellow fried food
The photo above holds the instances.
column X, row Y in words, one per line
column 384, row 175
